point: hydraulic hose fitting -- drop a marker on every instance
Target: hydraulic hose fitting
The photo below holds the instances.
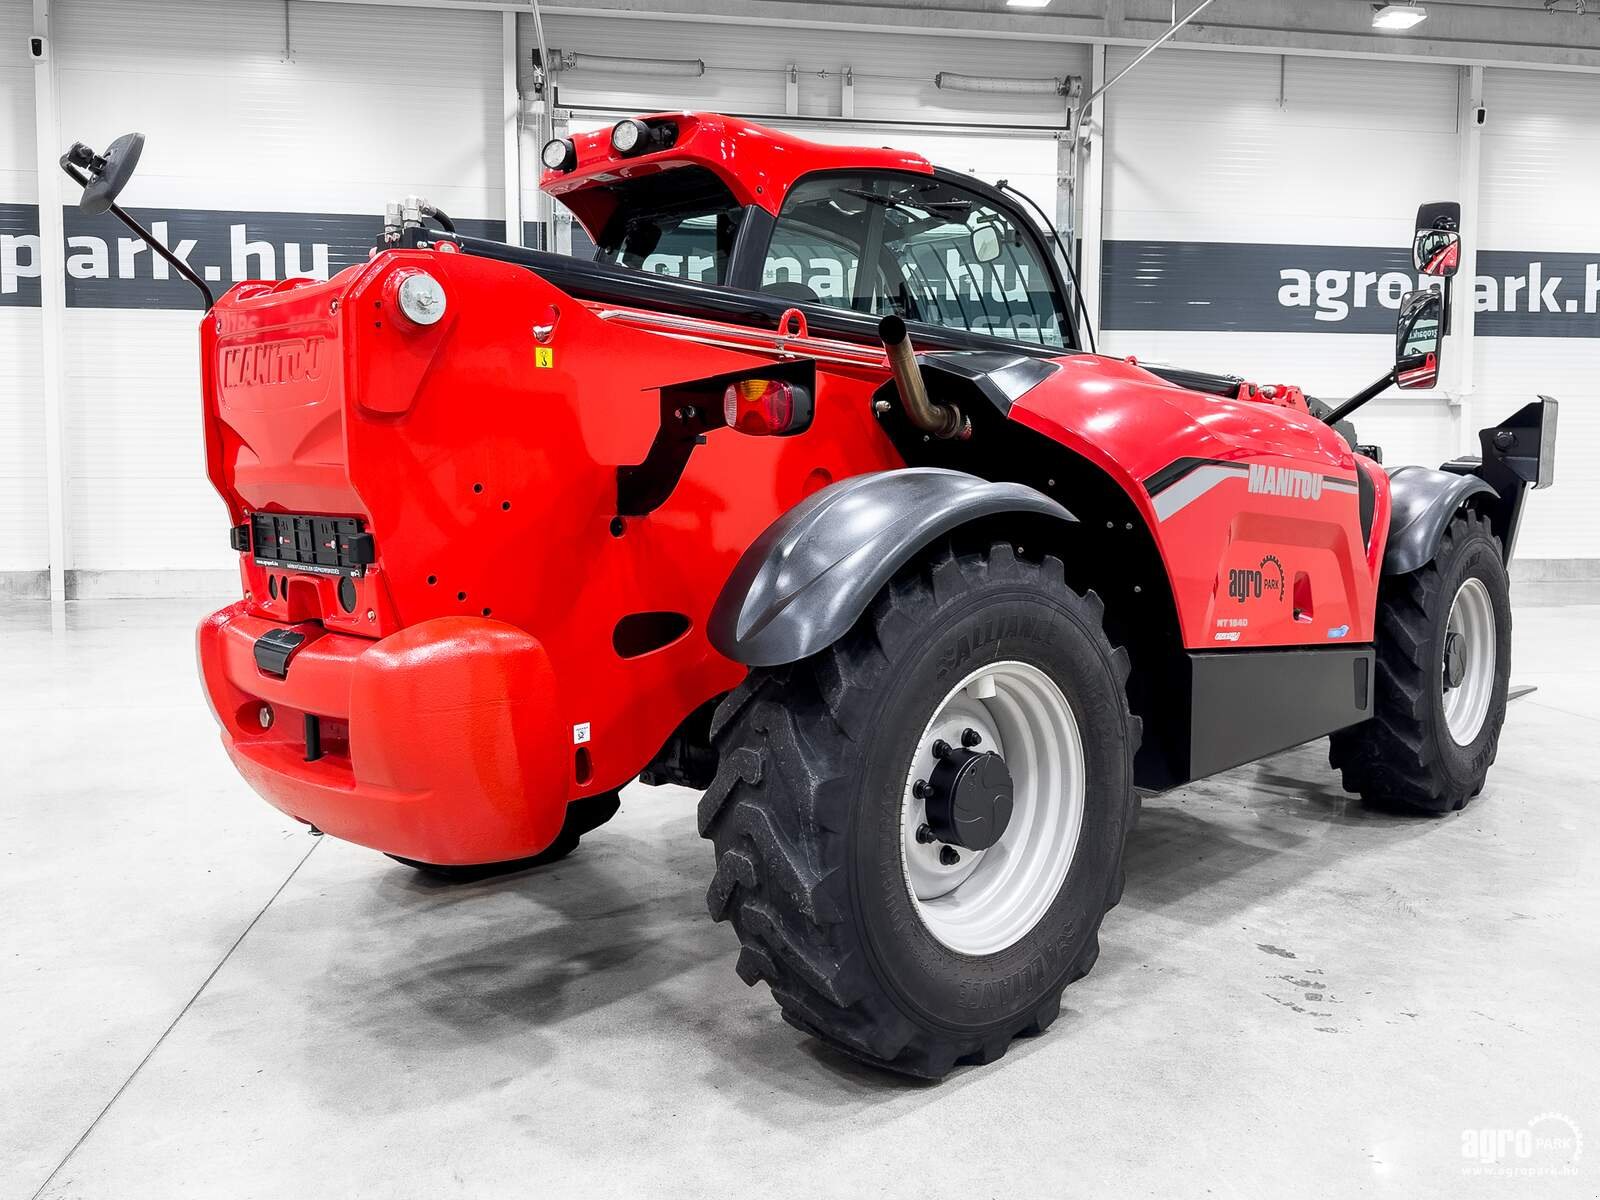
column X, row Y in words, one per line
column 941, row 420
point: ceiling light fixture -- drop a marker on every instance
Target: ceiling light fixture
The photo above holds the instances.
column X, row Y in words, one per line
column 1396, row 17
column 574, row 60
column 1027, row 3
column 950, row 81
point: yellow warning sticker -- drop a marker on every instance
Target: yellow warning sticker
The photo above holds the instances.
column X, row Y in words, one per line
column 544, row 356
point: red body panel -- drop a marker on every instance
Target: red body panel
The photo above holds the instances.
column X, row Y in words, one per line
column 489, row 486
column 474, row 689
column 1134, row 424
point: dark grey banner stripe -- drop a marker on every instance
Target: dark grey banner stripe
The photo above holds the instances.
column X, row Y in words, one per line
column 107, row 267
column 1262, row 287
column 1155, row 285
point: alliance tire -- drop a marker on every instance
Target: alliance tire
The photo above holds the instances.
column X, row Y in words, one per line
column 806, row 821
column 1405, row 755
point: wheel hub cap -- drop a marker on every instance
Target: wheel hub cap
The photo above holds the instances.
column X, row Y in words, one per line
column 969, row 798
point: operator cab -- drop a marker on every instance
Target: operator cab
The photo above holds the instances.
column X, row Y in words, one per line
column 830, row 229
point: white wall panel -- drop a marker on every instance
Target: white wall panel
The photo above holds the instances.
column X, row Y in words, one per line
column 24, row 541
column 24, row 538
column 1559, row 521
column 1201, row 147
column 135, row 451
column 1209, row 147
column 372, row 103
column 1541, row 161
column 17, row 166
column 1541, row 177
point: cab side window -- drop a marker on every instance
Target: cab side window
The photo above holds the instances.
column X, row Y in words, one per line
column 811, row 263
column 932, row 251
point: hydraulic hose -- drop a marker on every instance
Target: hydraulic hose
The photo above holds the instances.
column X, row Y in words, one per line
column 941, row 420
column 439, row 215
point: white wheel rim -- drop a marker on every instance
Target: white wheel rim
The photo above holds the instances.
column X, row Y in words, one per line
column 1471, row 626
column 991, row 898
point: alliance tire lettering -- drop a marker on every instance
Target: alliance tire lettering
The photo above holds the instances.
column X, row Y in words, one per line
column 981, row 634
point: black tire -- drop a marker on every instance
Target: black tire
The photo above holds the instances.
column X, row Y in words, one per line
column 583, row 815
column 1405, row 755
column 806, row 821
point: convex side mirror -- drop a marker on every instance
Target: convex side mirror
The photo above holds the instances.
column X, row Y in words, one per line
column 1418, row 335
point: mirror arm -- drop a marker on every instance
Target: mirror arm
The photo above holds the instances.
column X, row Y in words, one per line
column 149, row 239
column 1367, row 393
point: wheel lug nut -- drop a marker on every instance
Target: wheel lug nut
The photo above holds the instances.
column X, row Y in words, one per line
column 921, row 790
column 925, row 835
column 970, row 738
column 941, row 748
column 948, row 856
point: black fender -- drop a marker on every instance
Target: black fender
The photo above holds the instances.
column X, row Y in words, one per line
column 1421, row 503
column 808, row 578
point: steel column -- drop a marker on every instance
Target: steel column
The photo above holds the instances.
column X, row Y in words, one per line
column 52, row 297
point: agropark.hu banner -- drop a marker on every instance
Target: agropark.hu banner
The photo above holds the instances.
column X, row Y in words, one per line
column 1155, row 285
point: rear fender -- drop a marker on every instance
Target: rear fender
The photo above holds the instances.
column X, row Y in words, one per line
column 805, row 581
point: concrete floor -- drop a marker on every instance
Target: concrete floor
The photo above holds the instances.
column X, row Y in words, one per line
column 200, row 1000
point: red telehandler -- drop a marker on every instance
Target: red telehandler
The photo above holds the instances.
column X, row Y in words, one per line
column 803, row 492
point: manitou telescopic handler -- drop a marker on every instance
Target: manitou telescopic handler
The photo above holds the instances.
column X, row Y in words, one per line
column 804, row 492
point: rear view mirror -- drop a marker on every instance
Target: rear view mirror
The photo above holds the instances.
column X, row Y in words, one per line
column 1418, row 334
column 985, row 243
column 107, row 173
column 1436, row 252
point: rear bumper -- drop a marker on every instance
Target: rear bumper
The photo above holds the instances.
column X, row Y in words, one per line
column 441, row 742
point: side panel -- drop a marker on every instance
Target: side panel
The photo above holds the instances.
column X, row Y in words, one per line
column 1248, row 705
column 1255, row 506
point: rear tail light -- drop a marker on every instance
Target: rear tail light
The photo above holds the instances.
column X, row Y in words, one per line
column 766, row 407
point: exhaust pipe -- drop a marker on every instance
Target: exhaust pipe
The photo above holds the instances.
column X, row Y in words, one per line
column 941, row 420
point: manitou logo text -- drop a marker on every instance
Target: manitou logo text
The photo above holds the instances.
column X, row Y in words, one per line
column 1285, row 481
column 292, row 360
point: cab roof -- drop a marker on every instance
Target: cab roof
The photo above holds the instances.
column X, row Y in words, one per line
column 757, row 164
